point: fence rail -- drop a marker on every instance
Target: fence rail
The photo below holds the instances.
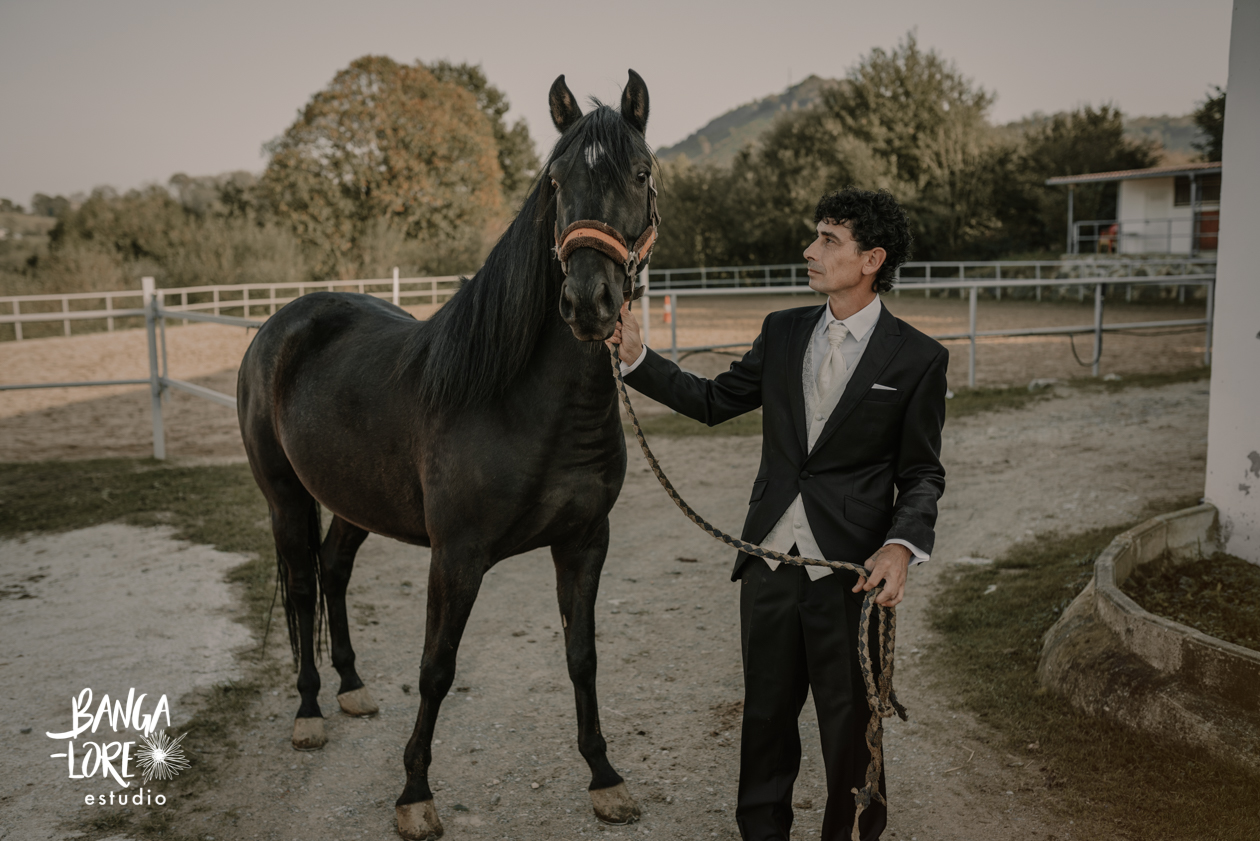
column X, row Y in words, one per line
column 673, row 295
column 156, row 311
column 245, row 299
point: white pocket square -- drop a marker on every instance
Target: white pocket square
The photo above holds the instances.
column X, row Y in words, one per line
column 883, row 387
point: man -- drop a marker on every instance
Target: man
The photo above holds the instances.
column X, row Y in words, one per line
column 853, row 403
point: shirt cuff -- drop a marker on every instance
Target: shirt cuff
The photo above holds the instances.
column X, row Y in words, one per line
column 919, row 555
column 626, row 370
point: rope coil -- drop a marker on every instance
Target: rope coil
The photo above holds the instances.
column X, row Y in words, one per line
column 880, row 696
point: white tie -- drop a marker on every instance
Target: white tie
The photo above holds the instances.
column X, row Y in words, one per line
column 833, row 366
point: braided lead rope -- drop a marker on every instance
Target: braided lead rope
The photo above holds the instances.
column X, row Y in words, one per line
column 880, row 696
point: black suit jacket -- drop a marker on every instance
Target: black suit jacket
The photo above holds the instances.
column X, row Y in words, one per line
column 874, row 443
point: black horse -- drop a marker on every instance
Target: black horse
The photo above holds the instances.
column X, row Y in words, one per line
column 487, row 431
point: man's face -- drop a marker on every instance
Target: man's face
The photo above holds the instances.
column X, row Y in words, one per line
column 835, row 262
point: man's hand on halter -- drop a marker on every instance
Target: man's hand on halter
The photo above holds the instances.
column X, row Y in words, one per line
column 888, row 566
column 628, row 335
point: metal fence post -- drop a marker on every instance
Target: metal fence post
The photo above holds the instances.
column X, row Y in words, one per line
column 17, row 325
column 396, row 295
column 673, row 328
column 1098, row 315
column 65, row 307
column 1208, row 317
column 646, row 280
column 151, row 308
column 971, row 362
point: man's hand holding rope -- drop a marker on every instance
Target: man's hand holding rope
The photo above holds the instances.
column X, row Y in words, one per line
column 888, row 567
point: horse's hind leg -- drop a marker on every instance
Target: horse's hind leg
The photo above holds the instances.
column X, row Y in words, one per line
column 454, row 579
column 577, row 585
column 295, row 524
column 336, row 557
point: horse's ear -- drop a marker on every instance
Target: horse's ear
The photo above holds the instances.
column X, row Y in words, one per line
column 634, row 103
column 564, row 108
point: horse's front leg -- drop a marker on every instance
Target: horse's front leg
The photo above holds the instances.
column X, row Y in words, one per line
column 577, row 585
column 454, row 579
column 336, row 557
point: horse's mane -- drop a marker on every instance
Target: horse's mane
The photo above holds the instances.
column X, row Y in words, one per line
column 485, row 335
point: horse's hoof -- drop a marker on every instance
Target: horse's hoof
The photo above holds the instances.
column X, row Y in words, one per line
column 358, row 702
column 308, row 734
column 418, row 821
column 614, row 805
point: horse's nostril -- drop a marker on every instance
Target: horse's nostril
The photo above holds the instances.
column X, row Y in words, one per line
column 566, row 303
column 607, row 305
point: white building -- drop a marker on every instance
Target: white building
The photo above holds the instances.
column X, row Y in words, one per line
column 1160, row 210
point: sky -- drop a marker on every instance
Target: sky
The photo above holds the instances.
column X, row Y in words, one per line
column 129, row 92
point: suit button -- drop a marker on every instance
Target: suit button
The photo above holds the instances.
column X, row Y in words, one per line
column 804, row 474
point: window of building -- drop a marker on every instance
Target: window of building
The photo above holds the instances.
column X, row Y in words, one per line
column 1209, row 187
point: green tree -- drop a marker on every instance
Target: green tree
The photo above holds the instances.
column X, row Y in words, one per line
column 912, row 108
column 384, row 141
column 906, row 121
column 1033, row 215
column 54, row 206
column 517, row 158
column 1210, row 118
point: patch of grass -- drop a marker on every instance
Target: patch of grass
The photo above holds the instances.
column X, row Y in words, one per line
column 678, row 425
column 217, row 506
column 973, row 401
column 1185, row 375
column 1219, row 596
column 1115, row 783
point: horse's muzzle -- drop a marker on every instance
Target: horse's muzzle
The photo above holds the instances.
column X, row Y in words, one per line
column 589, row 304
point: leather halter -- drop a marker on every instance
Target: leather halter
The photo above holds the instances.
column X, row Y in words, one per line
column 607, row 240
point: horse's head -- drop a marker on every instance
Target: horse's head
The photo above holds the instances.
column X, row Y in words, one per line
column 605, row 204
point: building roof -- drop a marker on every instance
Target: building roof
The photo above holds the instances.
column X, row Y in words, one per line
column 1126, row 174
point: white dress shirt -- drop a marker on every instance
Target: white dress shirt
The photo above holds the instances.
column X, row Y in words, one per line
column 793, row 527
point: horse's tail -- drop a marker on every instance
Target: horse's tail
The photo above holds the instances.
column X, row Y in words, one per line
column 286, row 566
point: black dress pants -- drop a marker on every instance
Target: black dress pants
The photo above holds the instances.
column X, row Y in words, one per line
column 799, row 635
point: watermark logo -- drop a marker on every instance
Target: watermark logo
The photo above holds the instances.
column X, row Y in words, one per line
column 152, row 754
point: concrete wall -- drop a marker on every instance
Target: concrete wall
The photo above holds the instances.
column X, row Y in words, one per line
column 1233, row 470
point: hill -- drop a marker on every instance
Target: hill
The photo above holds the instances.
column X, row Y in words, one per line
column 719, row 139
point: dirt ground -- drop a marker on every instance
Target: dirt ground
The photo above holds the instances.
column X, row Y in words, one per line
column 670, row 675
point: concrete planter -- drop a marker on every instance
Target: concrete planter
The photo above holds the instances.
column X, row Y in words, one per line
column 1111, row 658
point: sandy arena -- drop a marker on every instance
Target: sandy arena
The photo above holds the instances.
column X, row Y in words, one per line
column 669, row 659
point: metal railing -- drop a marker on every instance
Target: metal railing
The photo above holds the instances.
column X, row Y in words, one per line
column 1180, row 235
column 159, row 382
column 246, row 298
column 972, row 288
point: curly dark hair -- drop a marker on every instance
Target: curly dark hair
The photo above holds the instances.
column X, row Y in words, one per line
column 876, row 220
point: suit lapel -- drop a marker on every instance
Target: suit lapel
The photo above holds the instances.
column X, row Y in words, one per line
column 885, row 340
column 802, row 329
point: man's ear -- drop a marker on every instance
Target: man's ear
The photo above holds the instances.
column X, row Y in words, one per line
column 874, row 260
column 564, row 108
column 634, row 103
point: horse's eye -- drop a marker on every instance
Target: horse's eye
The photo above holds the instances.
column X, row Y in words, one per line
column 555, row 185
column 643, row 177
